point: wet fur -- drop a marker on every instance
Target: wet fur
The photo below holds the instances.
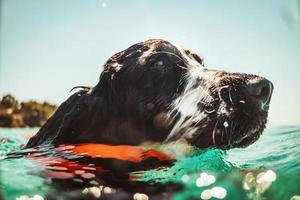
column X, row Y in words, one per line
column 156, row 91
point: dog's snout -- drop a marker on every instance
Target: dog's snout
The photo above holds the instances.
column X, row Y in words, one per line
column 260, row 90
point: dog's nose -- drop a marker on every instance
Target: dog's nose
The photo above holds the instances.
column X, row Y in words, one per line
column 260, row 90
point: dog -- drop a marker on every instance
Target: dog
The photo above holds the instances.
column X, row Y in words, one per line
column 158, row 92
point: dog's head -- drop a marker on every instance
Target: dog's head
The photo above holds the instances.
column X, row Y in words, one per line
column 170, row 87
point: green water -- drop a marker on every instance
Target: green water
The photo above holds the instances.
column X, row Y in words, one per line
column 268, row 169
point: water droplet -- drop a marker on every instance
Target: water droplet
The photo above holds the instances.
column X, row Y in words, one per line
column 93, row 182
column 78, row 180
column 246, row 186
column 140, row 196
column 85, row 191
column 87, row 175
column 225, row 124
column 107, row 190
column 95, row 191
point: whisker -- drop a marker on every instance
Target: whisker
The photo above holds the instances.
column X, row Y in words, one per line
column 230, row 97
column 182, row 67
column 220, row 89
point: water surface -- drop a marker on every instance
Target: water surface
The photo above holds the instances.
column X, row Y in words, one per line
column 268, row 169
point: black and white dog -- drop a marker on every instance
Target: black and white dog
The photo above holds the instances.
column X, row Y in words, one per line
column 155, row 91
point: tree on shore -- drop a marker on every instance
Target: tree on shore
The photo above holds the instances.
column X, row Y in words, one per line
column 30, row 113
column 8, row 101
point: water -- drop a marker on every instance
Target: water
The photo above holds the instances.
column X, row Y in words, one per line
column 268, row 169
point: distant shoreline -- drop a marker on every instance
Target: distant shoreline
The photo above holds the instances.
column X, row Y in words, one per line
column 15, row 114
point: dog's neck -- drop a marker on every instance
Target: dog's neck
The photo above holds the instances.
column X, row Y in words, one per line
column 113, row 119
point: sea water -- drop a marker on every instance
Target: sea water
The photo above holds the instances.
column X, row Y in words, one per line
column 268, row 169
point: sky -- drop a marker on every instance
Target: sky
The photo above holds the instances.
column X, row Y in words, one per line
column 49, row 46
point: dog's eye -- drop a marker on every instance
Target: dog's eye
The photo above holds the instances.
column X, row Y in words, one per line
column 158, row 64
column 158, row 67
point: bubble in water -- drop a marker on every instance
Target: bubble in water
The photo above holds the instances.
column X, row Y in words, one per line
column 264, row 180
column 296, row 197
column 249, row 181
column 206, row 194
column 218, row 192
column 268, row 176
column 185, row 178
column 205, row 180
